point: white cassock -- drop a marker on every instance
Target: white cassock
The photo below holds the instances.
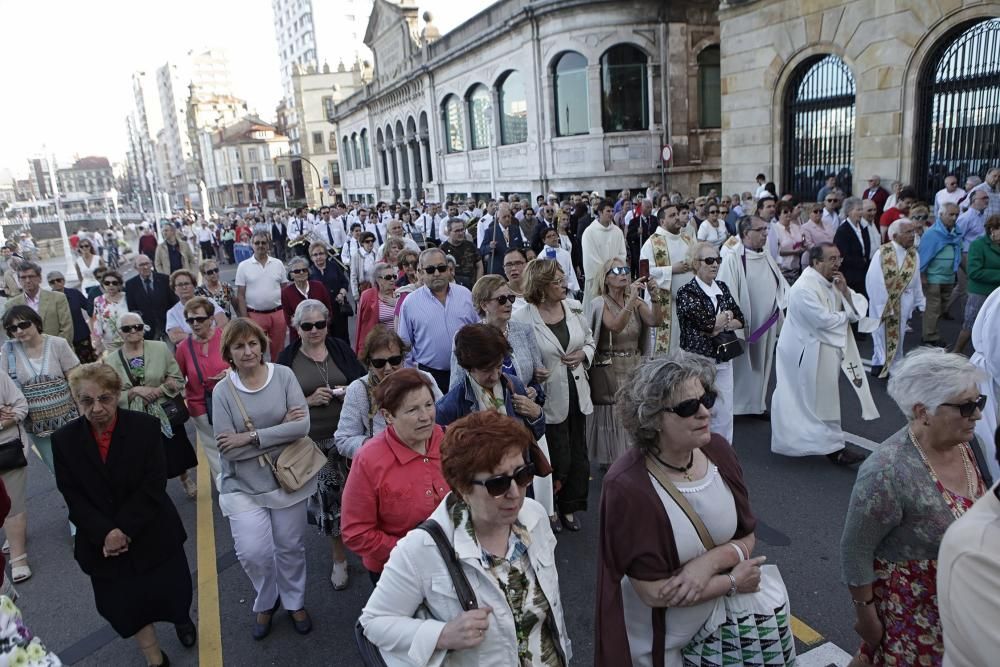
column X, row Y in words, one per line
column 912, row 298
column 679, row 246
column 816, row 344
column 599, row 244
column 986, row 340
column 760, row 289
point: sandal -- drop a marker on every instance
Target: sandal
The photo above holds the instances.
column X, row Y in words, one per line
column 19, row 573
column 190, row 487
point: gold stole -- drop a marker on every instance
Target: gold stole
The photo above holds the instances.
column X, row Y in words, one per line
column 896, row 281
column 661, row 255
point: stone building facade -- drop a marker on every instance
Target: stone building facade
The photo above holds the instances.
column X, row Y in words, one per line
column 906, row 63
column 532, row 97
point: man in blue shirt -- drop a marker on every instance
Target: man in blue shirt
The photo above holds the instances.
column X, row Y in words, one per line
column 940, row 253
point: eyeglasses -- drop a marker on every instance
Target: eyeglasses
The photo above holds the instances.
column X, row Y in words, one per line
column 618, row 271
column 195, row 319
column 440, row 268
column 211, row 272
column 309, row 326
column 918, row 217
column 20, row 326
column 499, row 485
column 394, row 360
column 688, row 408
column 261, row 243
column 131, row 328
column 299, row 271
column 388, row 276
column 713, row 211
column 57, row 280
column 711, row 261
column 104, row 399
column 411, row 265
column 513, row 265
column 969, row 408
column 832, row 201
column 369, row 241
column 85, row 245
column 111, row 283
column 183, row 284
column 504, row 298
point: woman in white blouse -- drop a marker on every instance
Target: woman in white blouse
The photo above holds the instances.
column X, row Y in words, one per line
column 363, row 265
column 713, row 228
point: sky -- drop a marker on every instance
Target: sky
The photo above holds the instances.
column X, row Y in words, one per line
column 67, row 64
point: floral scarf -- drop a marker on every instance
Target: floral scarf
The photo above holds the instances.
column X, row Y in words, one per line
column 896, row 280
column 137, row 367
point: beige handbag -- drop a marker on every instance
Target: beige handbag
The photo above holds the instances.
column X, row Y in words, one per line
column 298, row 462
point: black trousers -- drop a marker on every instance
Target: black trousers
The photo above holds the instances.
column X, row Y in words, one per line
column 442, row 378
column 567, row 443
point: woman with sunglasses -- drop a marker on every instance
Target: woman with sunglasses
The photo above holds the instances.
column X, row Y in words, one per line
column 363, row 265
column 395, row 481
column 108, row 308
column 324, row 366
column 620, row 319
column 511, row 567
column 377, row 304
column 183, row 283
column 298, row 290
column 657, row 582
column 905, row 496
column 85, row 265
column 331, row 274
column 706, row 308
column 213, row 288
column 713, row 228
column 151, row 379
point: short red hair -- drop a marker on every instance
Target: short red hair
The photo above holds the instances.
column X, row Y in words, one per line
column 392, row 391
column 477, row 443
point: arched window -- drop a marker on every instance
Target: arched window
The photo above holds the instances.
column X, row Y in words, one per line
column 709, row 90
column 454, row 126
column 819, row 126
column 355, row 153
column 346, row 152
column 572, row 111
column 479, row 116
column 513, row 109
column 366, row 152
column 958, row 110
column 624, row 89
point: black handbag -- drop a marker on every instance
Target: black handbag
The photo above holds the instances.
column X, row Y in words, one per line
column 726, row 344
column 370, row 655
column 174, row 408
column 12, row 453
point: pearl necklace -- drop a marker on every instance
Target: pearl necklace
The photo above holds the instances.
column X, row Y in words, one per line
column 970, row 488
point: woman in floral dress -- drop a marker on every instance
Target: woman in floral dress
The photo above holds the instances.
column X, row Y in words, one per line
column 906, row 495
column 108, row 308
column 213, row 288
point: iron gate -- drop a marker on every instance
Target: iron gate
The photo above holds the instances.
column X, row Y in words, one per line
column 819, row 127
column 959, row 108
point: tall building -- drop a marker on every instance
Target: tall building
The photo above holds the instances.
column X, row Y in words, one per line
column 243, row 167
column 143, row 124
column 207, row 112
column 92, row 175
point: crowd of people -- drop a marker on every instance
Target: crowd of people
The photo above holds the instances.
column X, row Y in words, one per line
column 404, row 378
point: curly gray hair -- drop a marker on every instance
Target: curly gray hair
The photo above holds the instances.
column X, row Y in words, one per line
column 653, row 387
column 309, row 306
column 929, row 376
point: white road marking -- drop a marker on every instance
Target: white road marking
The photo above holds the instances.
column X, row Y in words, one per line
column 824, row 656
column 871, row 445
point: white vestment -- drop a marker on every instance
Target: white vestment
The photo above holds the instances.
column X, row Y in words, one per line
column 599, row 244
column 878, row 297
column 986, row 340
column 679, row 246
column 816, row 343
column 757, row 284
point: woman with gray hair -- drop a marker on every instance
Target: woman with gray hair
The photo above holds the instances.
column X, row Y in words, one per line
column 377, row 304
column 324, row 366
column 152, row 382
column 906, row 495
column 657, row 583
column 299, row 290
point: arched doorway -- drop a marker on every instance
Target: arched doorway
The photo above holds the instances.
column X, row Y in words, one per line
column 819, row 127
column 958, row 107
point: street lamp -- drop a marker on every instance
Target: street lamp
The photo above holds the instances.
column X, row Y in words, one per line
column 156, row 206
column 488, row 111
column 113, row 196
column 319, row 179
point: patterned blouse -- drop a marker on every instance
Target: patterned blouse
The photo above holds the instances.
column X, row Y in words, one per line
column 106, row 315
column 224, row 297
column 536, row 646
column 696, row 316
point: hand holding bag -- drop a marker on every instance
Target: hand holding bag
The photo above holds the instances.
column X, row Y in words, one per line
column 726, row 344
column 173, row 407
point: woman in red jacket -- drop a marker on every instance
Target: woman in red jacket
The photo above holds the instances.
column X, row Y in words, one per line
column 377, row 304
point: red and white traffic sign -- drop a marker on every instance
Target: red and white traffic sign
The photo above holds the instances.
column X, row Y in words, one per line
column 666, row 153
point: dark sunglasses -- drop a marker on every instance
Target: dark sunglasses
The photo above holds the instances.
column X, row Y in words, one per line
column 131, row 328
column 618, row 271
column 197, row 319
column 499, row 485
column 22, row 326
column 710, row 261
column 440, row 268
column 111, row 283
column 394, row 360
column 832, row 201
column 57, row 280
column 299, row 271
column 211, row 272
column 504, row 298
column 713, row 210
column 388, row 276
column 309, row 326
column 969, row 408
column 688, row 408
column 85, row 245
column 411, row 265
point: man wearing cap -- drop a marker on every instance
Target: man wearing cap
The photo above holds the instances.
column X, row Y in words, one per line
column 81, row 311
column 52, row 307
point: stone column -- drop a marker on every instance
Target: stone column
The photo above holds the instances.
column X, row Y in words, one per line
column 401, row 175
column 424, row 151
column 391, row 168
column 411, row 158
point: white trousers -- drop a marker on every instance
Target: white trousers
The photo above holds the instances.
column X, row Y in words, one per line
column 270, row 544
column 722, row 411
column 206, row 438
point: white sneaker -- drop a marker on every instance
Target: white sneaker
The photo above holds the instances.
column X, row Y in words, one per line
column 338, row 576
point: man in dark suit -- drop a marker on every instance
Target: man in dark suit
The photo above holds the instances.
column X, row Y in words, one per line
column 546, row 221
column 500, row 236
column 640, row 227
column 279, row 237
column 854, row 239
column 149, row 294
column 876, row 193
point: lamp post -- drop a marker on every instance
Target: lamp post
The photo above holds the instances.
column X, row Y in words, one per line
column 113, row 195
column 319, row 179
column 493, row 176
column 156, row 207
column 284, row 192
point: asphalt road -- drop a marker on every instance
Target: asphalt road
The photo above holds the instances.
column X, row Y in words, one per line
column 800, row 504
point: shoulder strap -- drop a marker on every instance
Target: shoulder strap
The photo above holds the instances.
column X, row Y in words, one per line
column 463, row 589
column 248, row 423
column 194, row 359
column 11, row 361
column 128, row 372
column 668, row 486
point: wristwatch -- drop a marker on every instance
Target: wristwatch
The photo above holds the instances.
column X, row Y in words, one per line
column 254, row 438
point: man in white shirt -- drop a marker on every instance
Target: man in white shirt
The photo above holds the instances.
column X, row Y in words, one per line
column 298, row 227
column 831, row 211
column 761, row 187
column 394, row 229
column 328, row 231
column 259, row 280
column 950, row 194
column 369, row 223
column 601, row 241
column 485, row 222
column 205, row 237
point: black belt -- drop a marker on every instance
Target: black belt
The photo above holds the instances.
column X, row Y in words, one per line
column 264, row 312
column 425, row 367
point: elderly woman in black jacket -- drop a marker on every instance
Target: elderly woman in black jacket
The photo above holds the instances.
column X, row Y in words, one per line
column 705, row 309
column 110, row 469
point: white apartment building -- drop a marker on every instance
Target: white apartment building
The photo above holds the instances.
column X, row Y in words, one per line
column 243, row 167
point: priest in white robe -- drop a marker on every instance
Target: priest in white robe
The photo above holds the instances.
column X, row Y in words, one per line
column 986, row 340
column 601, row 241
column 760, row 289
column 668, row 251
column 894, row 292
column 815, row 346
